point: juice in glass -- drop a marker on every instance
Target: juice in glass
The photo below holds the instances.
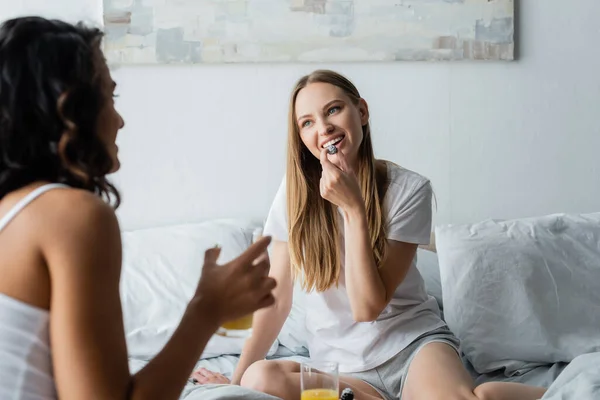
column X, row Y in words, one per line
column 241, row 327
column 319, row 381
column 319, row 394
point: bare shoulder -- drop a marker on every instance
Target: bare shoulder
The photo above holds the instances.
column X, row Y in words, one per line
column 73, row 218
column 65, row 209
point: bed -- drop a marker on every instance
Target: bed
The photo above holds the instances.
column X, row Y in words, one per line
column 513, row 291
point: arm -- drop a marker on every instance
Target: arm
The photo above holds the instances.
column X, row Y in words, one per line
column 267, row 323
column 86, row 326
column 166, row 375
column 370, row 289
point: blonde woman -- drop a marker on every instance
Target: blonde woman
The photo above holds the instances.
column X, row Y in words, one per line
column 348, row 226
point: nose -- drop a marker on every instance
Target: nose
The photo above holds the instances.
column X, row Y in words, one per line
column 324, row 127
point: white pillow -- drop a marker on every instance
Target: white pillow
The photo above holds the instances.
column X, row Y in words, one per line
column 524, row 292
column 161, row 269
column 293, row 334
column 429, row 268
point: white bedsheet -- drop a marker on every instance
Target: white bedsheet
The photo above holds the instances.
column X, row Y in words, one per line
column 223, row 365
column 540, row 376
column 579, row 381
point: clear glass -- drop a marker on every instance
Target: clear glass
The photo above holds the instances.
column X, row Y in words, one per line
column 319, row 381
column 241, row 327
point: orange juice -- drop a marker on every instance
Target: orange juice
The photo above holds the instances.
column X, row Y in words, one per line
column 239, row 324
column 320, row 394
column 238, row 328
column 241, row 327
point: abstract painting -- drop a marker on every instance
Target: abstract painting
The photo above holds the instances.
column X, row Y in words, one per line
column 253, row 31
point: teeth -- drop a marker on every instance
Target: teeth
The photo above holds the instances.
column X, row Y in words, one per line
column 333, row 142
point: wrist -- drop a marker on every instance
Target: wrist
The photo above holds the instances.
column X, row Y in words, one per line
column 204, row 312
column 235, row 380
column 354, row 213
column 238, row 372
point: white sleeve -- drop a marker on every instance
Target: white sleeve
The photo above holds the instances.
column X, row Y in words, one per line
column 276, row 223
column 410, row 215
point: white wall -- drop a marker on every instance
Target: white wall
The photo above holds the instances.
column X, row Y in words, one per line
column 498, row 140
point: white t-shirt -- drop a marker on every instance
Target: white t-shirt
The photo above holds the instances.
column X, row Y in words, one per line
column 333, row 333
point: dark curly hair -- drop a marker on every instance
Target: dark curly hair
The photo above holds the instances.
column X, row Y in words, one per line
column 51, row 94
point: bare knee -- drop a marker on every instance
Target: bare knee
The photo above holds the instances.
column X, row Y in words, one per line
column 486, row 391
column 263, row 376
column 461, row 394
column 458, row 392
column 508, row 390
column 447, row 396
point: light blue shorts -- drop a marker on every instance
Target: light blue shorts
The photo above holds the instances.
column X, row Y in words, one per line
column 388, row 378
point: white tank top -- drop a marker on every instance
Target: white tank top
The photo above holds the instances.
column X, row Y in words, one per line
column 25, row 355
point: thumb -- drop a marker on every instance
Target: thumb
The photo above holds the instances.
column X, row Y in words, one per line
column 212, row 255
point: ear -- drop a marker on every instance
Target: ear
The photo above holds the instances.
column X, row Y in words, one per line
column 363, row 109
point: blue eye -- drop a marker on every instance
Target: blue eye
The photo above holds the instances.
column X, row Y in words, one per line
column 333, row 110
column 305, row 124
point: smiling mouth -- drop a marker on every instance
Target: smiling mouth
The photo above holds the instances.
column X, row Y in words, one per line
column 333, row 142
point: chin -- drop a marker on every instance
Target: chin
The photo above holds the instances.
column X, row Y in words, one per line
column 116, row 165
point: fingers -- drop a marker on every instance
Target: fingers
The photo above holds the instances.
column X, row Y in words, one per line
column 344, row 166
column 269, row 284
column 330, row 170
column 263, row 301
column 250, row 271
column 267, row 301
column 261, row 260
column 262, row 265
column 325, row 163
column 253, row 252
column 198, row 377
column 323, row 156
column 212, row 255
column 267, row 287
column 260, row 294
column 341, row 160
column 260, row 284
column 202, row 372
column 256, row 285
column 203, row 376
column 206, row 373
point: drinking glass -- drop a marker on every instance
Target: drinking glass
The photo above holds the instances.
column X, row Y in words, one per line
column 241, row 327
column 319, row 381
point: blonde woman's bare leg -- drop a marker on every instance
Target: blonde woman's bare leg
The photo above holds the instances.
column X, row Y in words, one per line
column 282, row 379
column 437, row 373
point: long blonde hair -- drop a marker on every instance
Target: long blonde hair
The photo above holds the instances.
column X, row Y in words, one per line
column 314, row 231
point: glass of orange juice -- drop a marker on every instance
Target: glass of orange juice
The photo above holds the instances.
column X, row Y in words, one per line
column 241, row 327
column 319, row 381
